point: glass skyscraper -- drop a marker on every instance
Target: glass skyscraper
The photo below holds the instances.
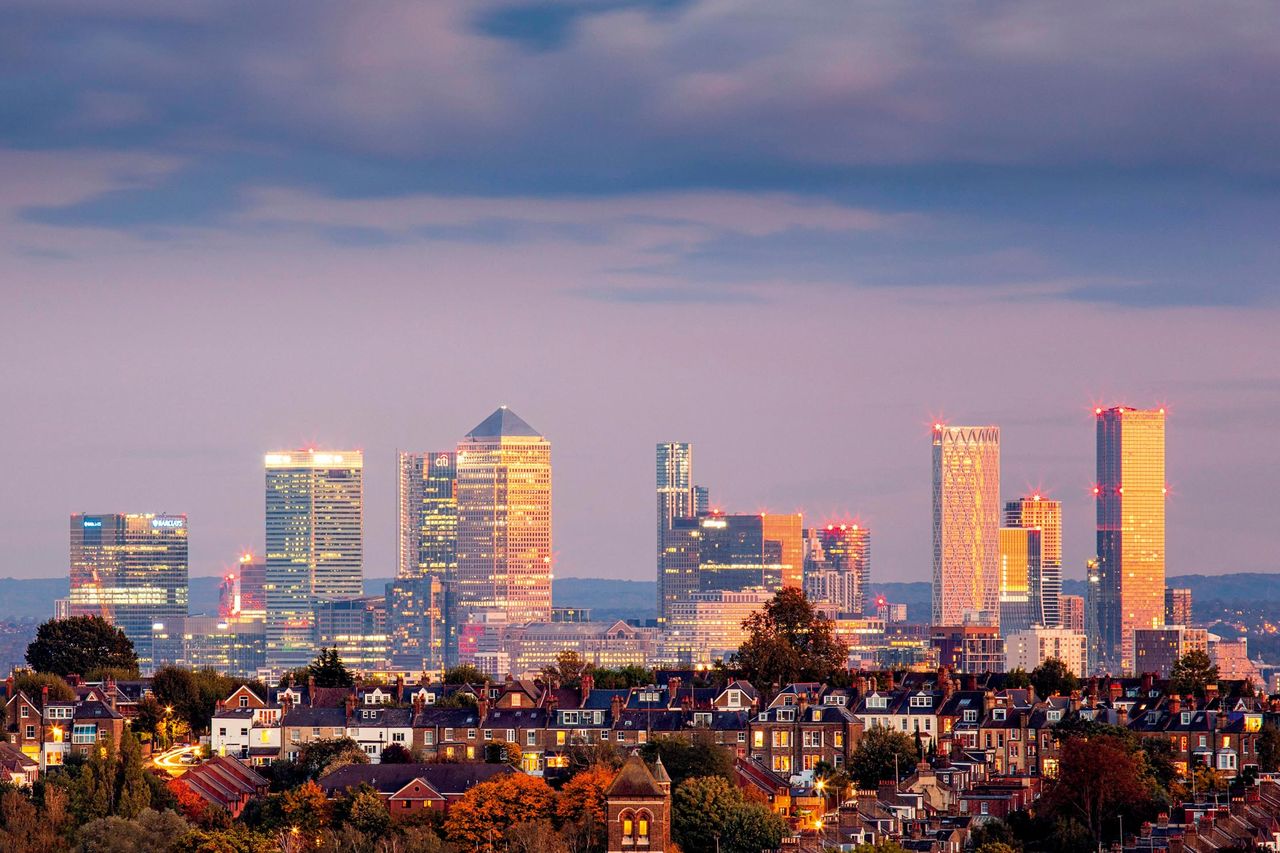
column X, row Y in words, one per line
column 966, row 518
column 315, row 544
column 838, row 565
column 1130, row 500
column 739, row 552
column 132, row 571
column 1019, row 568
column 1045, row 515
column 420, row 601
column 504, row 520
column 675, row 500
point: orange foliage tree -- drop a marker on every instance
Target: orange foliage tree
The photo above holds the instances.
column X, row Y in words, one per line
column 482, row 816
column 306, row 807
column 582, row 803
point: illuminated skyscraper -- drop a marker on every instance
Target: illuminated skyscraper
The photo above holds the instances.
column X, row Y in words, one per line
column 966, row 518
column 675, row 500
column 756, row 551
column 132, row 571
column 1019, row 561
column 1072, row 610
column 701, row 500
column 421, row 601
column 315, row 544
column 504, row 519
column 242, row 593
column 1177, row 606
column 838, row 565
column 1130, row 493
column 1046, row 516
column 678, row 564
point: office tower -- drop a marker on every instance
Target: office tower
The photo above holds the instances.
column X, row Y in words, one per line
column 760, row 550
column 1177, row 606
column 1092, row 609
column 701, row 500
column 242, row 593
column 1072, row 609
column 427, row 500
column 675, row 500
column 682, row 552
column 1019, row 569
column 969, row 648
column 1045, row 515
column 132, row 571
column 1158, row 649
column 357, row 629
column 315, row 544
column 837, row 565
column 1028, row 649
column 966, row 518
column 707, row 626
column 234, row 647
column 504, row 519
column 1130, row 495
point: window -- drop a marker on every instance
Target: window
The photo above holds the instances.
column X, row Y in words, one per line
column 998, row 714
column 84, row 733
column 244, row 701
column 560, row 738
column 812, row 740
column 921, row 701
column 742, row 737
column 448, row 734
column 837, row 739
column 222, row 731
column 620, row 737
column 530, row 738
column 471, row 734
column 781, row 739
column 25, row 712
column 488, row 734
column 985, row 807
column 757, row 739
column 570, row 717
column 877, row 701
column 1186, row 718
column 515, row 700
column 31, row 732
column 397, row 737
column 782, row 764
column 471, row 753
column 315, row 732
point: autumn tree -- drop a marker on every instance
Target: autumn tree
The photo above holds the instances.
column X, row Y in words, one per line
column 534, row 836
column 329, row 671
column 306, row 807
column 882, row 753
column 1098, row 779
column 582, row 804
column 1192, row 673
column 1053, row 678
column 789, row 641
column 190, row 805
column 368, row 813
column 482, row 816
column 81, row 645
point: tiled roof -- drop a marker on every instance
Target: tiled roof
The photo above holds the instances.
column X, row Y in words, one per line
column 447, row 779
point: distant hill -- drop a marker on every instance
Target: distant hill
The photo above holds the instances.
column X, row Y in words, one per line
column 23, row 598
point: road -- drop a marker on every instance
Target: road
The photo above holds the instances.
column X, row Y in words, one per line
column 170, row 762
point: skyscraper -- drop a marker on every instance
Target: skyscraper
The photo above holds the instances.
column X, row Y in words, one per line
column 315, row 544
column 1019, row 561
column 678, row 564
column 1046, row 516
column 675, row 500
column 242, row 594
column 132, row 571
column 1130, row 493
column 421, row 600
column 838, row 565
column 760, row 550
column 1177, row 606
column 504, row 519
column 966, row 518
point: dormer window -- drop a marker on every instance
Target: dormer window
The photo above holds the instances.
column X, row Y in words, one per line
column 1053, row 716
column 735, row 698
column 921, row 701
column 877, row 701
column 998, row 714
column 1186, row 718
column 702, row 719
column 515, row 700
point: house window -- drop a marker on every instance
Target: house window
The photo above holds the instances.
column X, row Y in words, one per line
column 742, row 737
column 781, row 739
column 985, row 807
column 222, row 731
column 782, row 764
column 488, row 734
column 31, row 732
column 511, row 735
column 515, row 700
column 244, row 701
column 315, row 732
column 471, row 753
column 25, row 712
column 971, row 716
column 530, row 738
column 397, row 737
column 471, row 734
column 621, row 736
column 560, row 738
column 642, row 830
column 837, row 739
column 757, row 739
column 570, row 717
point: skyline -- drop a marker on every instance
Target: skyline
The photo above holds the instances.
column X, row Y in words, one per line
column 793, row 240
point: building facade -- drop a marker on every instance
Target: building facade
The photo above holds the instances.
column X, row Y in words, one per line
column 424, row 637
column 1019, row 573
column 1177, row 606
column 1071, row 608
column 1130, row 497
column 504, row 519
column 315, row 544
column 357, row 629
column 675, row 500
column 966, row 520
column 132, row 571
column 1156, row 650
column 760, row 550
column 1037, row 511
column 1028, row 649
column 837, row 565
column 708, row 625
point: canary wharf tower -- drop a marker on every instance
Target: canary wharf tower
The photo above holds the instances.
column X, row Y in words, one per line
column 966, row 523
column 504, row 520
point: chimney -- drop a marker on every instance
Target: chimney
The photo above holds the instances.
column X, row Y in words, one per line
column 110, row 690
column 1116, row 691
column 8, row 687
column 1074, row 702
column 970, row 682
column 44, row 696
column 889, row 681
column 1174, row 705
column 862, row 685
column 311, row 690
column 1162, row 820
column 419, row 702
column 615, row 707
column 588, row 682
column 1190, row 701
column 482, row 706
column 399, row 689
column 351, row 707
column 1122, row 717
column 1148, row 682
column 220, row 706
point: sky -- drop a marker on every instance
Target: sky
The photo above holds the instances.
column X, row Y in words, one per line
column 794, row 234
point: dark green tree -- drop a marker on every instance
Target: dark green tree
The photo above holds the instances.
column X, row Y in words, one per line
column 81, row 645
column 133, row 794
column 1053, row 678
column 751, row 827
column 789, row 641
column 33, row 684
column 568, row 669
column 396, row 754
column 322, row 756
column 700, row 807
column 684, row 759
column 94, row 789
column 175, row 687
column 329, row 671
column 1192, row 673
column 1017, row 679
column 1269, row 748
column 880, row 753
column 465, row 674
column 623, row 678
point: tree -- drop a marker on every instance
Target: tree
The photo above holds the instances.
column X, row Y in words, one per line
column 1098, row 779
column 176, row 688
column 329, row 671
column 1269, row 748
column 697, row 757
column 485, row 812
column 700, row 807
column 881, row 753
column 93, row 794
column 306, row 807
column 190, row 805
column 321, row 757
column 367, row 813
column 33, row 684
column 886, row 846
column 149, row 832
column 465, row 674
column 133, row 794
column 568, row 669
column 1017, row 679
column 534, row 836
column 396, row 753
column 996, row 847
column 148, row 719
column 1053, row 678
column 582, row 804
column 789, row 641
column 751, row 827
column 623, row 678
column 80, row 645
column 1192, row 673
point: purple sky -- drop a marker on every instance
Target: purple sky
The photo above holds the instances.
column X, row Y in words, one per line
column 792, row 235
